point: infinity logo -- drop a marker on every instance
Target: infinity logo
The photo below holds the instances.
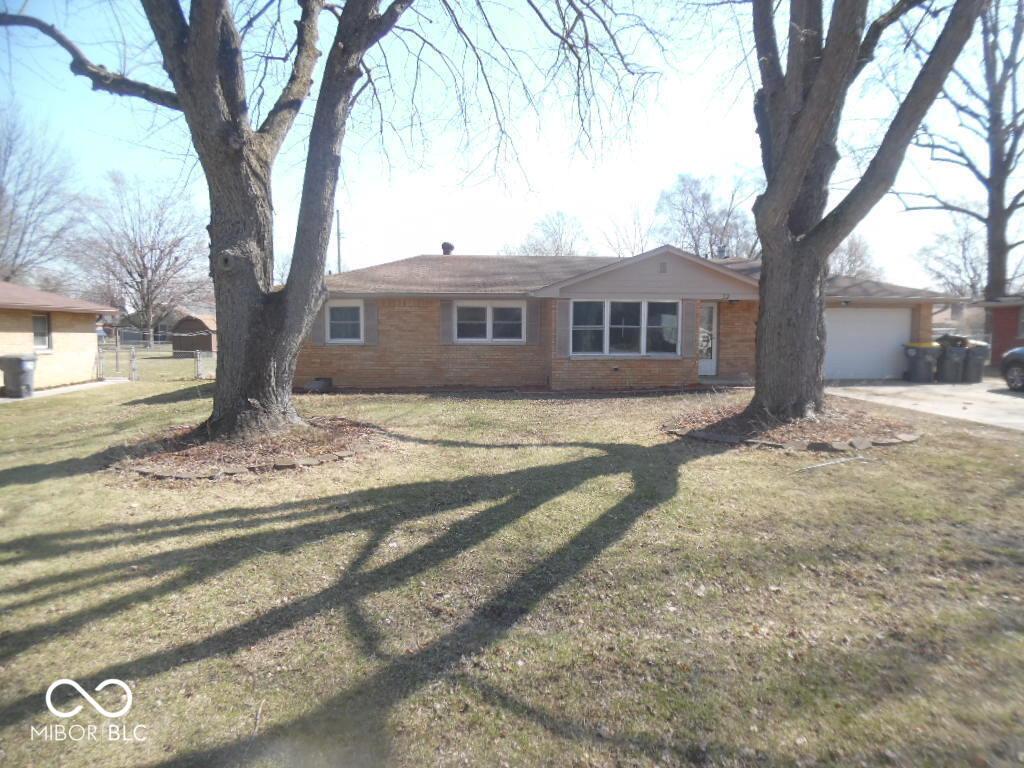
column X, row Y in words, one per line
column 95, row 704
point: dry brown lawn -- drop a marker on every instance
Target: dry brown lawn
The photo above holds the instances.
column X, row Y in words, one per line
column 507, row 580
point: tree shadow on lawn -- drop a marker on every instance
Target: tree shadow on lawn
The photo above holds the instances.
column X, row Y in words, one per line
column 179, row 395
column 352, row 726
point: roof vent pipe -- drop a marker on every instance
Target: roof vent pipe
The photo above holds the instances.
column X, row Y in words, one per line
column 447, row 248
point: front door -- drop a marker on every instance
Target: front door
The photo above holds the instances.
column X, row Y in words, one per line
column 708, row 341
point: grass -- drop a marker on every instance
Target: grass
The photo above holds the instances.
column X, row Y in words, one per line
column 510, row 580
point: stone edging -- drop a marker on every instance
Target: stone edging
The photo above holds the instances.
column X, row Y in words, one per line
column 229, row 470
column 859, row 443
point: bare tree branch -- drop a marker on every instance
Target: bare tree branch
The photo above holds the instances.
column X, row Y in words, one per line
column 102, row 79
column 881, row 171
column 282, row 115
column 938, row 204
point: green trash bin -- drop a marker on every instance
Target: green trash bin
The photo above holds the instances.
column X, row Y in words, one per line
column 19, row 375
column 921, row 360
column 974, row 363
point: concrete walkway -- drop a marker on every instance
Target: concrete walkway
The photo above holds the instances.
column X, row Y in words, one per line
column 989, row 402
column 61, row 390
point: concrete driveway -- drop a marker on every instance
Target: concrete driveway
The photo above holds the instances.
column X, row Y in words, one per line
column 989, row 402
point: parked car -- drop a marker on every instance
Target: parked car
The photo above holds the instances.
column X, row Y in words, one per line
column 1013, row 368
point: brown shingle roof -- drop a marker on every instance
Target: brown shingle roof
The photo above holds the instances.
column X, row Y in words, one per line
column 845, row 287
column 13, row 296
column 496, row 275
column 210, row 321
column 865, row 288
column 465, row 274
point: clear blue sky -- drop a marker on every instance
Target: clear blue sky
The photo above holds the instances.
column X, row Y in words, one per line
column 396, row 202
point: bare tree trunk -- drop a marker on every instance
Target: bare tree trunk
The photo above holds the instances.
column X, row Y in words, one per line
column 798, row 110
column 252, row 392
column 202, row 51
column 790, row 330
column 998, row 248
column 148, row 328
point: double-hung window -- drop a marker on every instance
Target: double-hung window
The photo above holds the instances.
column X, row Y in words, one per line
column 662, row 336
column 625, row 327
column 345, row 322
column 588, row 327
column 625, row 321
column 498, row 321
column 41, row 338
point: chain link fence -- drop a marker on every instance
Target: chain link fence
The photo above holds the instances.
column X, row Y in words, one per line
column 158, row 362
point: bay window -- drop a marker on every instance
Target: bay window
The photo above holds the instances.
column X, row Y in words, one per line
column 625, row 327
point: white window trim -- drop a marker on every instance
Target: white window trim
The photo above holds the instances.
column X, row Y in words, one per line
column 490, row 305
column 1020, row 323
column 345, row 303
column 643, row 328
column 48, row 347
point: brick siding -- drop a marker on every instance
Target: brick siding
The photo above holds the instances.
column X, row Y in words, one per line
column 921, row 322
column 623, row 373
column 409, row 354
column 72, row 358
column 737, row 328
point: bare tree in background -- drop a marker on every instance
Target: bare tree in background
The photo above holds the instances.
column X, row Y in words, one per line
column 38, row 205
column 556, row 234
column 693, row 217
column 986, row 94
column 220, row 63
column 852, row 259
column 807, row 70
column 957, row 261
column 629, row 237
column 143, row 250
column 282, row 265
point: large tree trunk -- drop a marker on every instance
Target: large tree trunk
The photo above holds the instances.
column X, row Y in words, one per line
column 255, row 363
column 256, row 347
column 790, row 331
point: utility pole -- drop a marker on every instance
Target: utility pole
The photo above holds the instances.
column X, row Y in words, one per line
column 337, row 234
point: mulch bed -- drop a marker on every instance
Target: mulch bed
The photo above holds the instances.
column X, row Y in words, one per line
column 179, row 454
column 844, row 426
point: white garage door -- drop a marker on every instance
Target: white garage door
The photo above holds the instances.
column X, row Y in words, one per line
column 865, row 343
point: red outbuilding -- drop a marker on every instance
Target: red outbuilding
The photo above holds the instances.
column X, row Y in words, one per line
column 1007, row 324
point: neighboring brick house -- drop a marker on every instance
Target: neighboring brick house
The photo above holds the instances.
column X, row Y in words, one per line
column 59, row 330
column 663, row 319
column 1007, row 324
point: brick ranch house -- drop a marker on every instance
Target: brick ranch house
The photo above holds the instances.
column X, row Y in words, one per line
column 662, row 319
column 1007, row 324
